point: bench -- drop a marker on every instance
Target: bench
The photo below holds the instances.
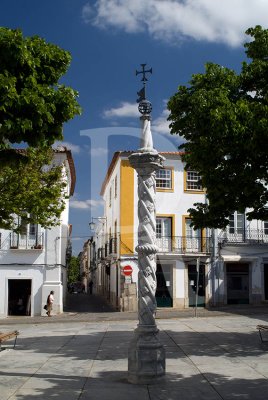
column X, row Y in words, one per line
column 8, row 335
column 262, row 328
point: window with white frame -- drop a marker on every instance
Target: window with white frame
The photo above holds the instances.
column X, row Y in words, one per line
column 27, row 228
column 28, row 236
column 163, row 178
column 190, row 231
column 163, row 227
column 266, row 227
column 193, row 239
column 164, row 233
column 193, row 181
column 237, row 223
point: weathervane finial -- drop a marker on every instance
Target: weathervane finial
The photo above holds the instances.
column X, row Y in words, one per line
column 144, row 72
column 144, row 108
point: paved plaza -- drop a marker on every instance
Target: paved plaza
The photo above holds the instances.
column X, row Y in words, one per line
column 210, row 358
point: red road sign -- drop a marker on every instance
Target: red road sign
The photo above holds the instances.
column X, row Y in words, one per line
column 127, row 270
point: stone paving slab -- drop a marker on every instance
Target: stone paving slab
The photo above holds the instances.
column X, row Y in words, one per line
column 208, row 358
column 94, row 308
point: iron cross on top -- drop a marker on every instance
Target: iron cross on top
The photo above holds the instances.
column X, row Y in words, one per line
column 144, row 72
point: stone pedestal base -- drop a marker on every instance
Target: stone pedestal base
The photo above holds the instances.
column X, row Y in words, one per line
column 146, row 356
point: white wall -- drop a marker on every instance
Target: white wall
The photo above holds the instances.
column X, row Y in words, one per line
column 45, row 267
column 36, row 274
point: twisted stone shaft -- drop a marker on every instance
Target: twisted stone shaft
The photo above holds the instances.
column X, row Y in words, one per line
column 146, row 249
column 146, row 358
column 146, row 163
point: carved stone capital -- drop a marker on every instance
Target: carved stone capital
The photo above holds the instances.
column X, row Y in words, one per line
column 146, row 162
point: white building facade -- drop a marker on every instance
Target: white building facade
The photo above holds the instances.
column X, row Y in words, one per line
column 34, row 262
column 194, row 267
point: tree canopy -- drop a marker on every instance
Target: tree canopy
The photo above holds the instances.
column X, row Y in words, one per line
column 74, row 270
column 223, row 116
column 34, row 190
column 33, row 108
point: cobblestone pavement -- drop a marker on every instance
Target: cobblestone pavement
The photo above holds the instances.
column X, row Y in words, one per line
column 87, row 308
column 207, row 358
column 82, row 354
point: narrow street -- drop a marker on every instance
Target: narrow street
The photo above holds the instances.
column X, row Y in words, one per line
column 86, row 303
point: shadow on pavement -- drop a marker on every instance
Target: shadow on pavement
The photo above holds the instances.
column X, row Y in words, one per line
column 89, row 303
column 94, row 366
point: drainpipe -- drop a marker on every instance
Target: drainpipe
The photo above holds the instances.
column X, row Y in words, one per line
column 197, row 284
column 213, row 266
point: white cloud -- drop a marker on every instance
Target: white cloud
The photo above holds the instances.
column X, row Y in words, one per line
column 85, row 204
column 98, row 151
column 125, row 110
column 75, row 149
column 175, row 20
column 160, row 124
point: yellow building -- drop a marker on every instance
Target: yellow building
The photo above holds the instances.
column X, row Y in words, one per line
column 179, row 245
column 231, row 266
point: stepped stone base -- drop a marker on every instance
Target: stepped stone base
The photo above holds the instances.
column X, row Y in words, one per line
column 146, row 356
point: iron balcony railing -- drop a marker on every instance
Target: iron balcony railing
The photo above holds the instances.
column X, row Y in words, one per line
column 108, row 249
column 113, row 245
column 19, row 241
column 247, row 236
column 184, row 244
column 165, row 244
column 101, row 253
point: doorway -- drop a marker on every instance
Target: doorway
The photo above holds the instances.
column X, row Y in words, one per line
column 163, row 293
column 196, row 292
column 19, row 296
column 237, row 283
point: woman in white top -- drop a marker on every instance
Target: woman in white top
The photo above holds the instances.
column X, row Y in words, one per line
column 50, row 299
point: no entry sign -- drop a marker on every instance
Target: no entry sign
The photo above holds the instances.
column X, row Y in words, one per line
column 127, row 270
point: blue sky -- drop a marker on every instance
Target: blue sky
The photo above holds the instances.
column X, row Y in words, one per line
column 108, row 40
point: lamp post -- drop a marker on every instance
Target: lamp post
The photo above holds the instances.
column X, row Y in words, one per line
column 146, row 356
column 92, row 224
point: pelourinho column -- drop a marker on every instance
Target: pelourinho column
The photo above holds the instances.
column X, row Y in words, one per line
column 146, row 356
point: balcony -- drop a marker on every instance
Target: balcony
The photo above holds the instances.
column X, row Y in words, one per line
column 240, row 237
column 165, row 244
column 16, row 241
column 183, row 244
column 113, row 245
column 108, row 250
column 101, row 253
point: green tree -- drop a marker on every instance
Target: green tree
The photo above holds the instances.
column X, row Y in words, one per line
column 73, row 270
column 223, row 116
column 33, row 189
column 33, row 108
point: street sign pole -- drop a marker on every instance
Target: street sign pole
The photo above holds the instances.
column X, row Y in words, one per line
column 197, row 284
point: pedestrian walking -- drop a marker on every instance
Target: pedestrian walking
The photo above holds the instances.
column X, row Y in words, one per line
column 90, row 285
column 50, row 299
